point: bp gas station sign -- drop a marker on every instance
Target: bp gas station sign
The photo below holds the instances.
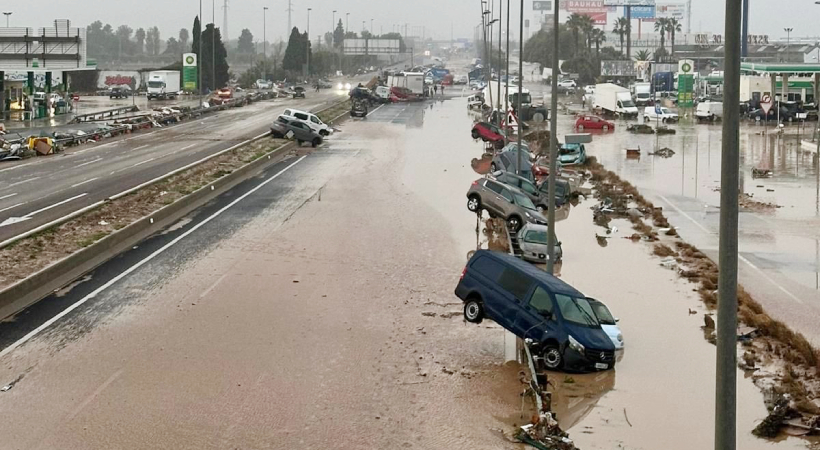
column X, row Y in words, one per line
column 686, row 83
column 189, row 72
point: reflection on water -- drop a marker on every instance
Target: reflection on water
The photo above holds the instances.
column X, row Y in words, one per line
column 575, row 396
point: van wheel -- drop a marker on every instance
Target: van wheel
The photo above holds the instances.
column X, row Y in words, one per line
column 473, row 311
column 493, row 168
column 514, row 224
column 475, row 134
column 323, row 133
column 316, row 142
column 553, row 358
column 474, row 203
column 299, row 141
column 538, row 117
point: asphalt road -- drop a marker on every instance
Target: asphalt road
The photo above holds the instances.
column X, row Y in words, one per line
column 37, row 191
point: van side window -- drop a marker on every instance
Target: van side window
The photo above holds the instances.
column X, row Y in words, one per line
column 495, row 187
column 288, row 112
column 301, row 116
column 314, row 119
column 488, row 267
column 506, row 194
column 541, row 301
column 515, row 282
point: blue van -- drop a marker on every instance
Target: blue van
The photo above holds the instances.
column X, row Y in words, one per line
column 533, row 304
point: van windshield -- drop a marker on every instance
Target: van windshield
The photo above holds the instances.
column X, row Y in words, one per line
column 627, row 103
column 156, row 84
column 576, row 310
column 602, row 313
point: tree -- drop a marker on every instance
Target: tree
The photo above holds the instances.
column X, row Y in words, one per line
column 672, row 26
column 196, row 35
column 574, row 26
column 296, row 52
column 245, row 43
column 172, row 47
column 598, row 37
column 643, row 55
column 660, row 26
column 587, row 25
column 329, row 39
column 338, row 34
column 124, row 39
column 140, row 37
column 539, row 47
column 351, row 35
column 660, row 54
column 395, row 35
column 214, row 60
column 367, row 35
column 620, row 27
column 183, row 40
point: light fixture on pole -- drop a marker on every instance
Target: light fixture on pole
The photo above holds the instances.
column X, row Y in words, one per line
column 788, row 39
column 347, row 22
column 7, row 14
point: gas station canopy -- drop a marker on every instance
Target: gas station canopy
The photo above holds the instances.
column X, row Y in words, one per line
column 780, row 68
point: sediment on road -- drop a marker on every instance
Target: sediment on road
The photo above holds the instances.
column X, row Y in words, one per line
column 782, row 362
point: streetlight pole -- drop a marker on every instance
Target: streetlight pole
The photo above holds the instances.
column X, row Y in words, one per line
column 553, row 141
column 7, row 14
column 726, row 359
column 788, row 39
column 500, row 28
column 347, row 22
column 371, row 26
column 213, row 43
column 333, row 40
column 363, row 25
column 307, row 47
column 265, row 43
column 199, row 55
column 507, row 88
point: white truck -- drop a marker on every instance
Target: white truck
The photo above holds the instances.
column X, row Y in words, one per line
column 414, row 81
column 163, row 84
column 643, row 93
column 614, row 100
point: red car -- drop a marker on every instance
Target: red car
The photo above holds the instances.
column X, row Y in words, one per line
column 593, row 123
column 488, row 132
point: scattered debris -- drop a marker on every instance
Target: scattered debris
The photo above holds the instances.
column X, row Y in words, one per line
column 429, row 314
column 665, row 152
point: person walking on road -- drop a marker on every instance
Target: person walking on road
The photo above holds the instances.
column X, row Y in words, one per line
column 435, row 89
column 442, row 90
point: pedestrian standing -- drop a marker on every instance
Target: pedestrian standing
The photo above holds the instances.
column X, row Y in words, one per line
column 435, row 89
column 442, row 90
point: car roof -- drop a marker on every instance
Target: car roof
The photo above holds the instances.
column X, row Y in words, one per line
column 555, row 285
column 511, row 188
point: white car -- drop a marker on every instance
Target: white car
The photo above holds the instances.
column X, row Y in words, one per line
column 608, row 323
column 263, row 84
column 589, row 89
column 567, row 83
column 343, row 86
column 312, row 120
column 664, row 115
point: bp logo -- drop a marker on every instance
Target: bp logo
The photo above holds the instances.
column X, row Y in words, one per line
column 686, row 67
column 190, row 60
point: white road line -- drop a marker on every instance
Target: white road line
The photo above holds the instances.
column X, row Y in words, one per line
column 11, row 207
column 89, row 162
column 211, row 288
column 56, row 204
column 7, row 196
column 136, row 266
column 94, row 394
column 187, row 147
column 15, row 167
column 24, row 181
column 143, row 162
column 140, row 147
column 740, row 257
column 84, row 182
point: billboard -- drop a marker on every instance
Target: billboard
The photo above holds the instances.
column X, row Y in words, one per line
column 43, row 49
column 670, row 11
column 642, row 12
column 372, row 46
column 629, row 2
column 542, row 5
column 618, row 68
column 118, row 78
column 592, row 8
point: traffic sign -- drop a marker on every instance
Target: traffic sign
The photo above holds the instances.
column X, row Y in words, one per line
column 657, row 108
column 766, row 103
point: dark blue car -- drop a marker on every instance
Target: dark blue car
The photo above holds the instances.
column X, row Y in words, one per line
column 533, row 304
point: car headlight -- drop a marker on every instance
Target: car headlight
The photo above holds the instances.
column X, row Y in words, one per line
column 347, row 85
column 620, row 337
column 340, row 86
column 527, row 214
column 575, row 345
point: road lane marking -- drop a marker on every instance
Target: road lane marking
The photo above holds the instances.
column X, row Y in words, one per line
column 24, row 181
column 7, row 196
column 94, row 394
column 140, row 147
column 90, row 162
column 740, row 257
column 12, row 207
column 56, row 204
column 84, row 182
column 141, row 263
column 143, row 162
column 187, row 147
column 15, row 167
column 211, row 288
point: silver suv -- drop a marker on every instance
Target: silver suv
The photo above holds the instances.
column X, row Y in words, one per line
column 501, row 200
column 291, row 128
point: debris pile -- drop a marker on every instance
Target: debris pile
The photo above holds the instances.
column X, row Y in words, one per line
column 544, row 433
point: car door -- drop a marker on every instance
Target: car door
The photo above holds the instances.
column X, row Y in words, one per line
column 505, row 203
column 515, row 287
column 492, row 196
column 537, row 314
column 595, row 122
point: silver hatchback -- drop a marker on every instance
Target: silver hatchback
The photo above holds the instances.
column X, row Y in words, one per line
column 501, row 200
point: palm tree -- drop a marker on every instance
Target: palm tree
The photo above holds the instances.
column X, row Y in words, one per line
column 574, row 25
column 643, row 55
column 660, row 26
column 672, row 26
column 587, row 25
column 598, row 37
column 621, row 25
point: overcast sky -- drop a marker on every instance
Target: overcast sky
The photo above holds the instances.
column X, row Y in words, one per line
column 767, row 16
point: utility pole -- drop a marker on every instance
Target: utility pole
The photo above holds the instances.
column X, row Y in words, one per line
column 307, row 46
column 225, row 21
column 628, row 34
column 199, row 55
column 744, row 42
column 289, row 11
column 520, row 84
column 213, row 43
column 726, row 373
column 500, row 28
column 788, row 42
column 333, row 39
column 553, row 143
column 265, row 43
column 347, row 22
column 507, row 87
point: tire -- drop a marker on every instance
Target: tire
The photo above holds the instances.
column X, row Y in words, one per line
column 299, row 142
column 645, row 119
column 514, row 224
column 323, row 133
column 605, row 128
column 473, row 310
column 538, row 117
column 493, row 168
column 663, row 121
column 474, row 203
column 475, row 134
column 316, row 142
column 541, row 208
column 581, row 127
column 553, row 359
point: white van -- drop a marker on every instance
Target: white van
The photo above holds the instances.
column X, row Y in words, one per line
column 312, row 120
column 665, row 115
column 709, row 111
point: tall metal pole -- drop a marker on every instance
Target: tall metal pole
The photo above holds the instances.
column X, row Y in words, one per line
column 500, row 28
column 629, row 32
column 744, row 44
column 553, row 145
column 7, row 14
column 199, row 55
column 213, row 43
column 519, row 127
column 726, row 382
column 333, row 40
column 307, row 47
column 507, row 87
column 265, row 43
column 347, row 22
